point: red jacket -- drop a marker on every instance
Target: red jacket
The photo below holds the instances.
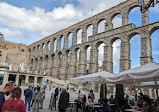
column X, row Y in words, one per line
column 18, row 104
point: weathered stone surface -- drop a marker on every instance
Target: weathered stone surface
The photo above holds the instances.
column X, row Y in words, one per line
column 64, row 69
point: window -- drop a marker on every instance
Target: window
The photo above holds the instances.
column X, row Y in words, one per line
column 0, row 53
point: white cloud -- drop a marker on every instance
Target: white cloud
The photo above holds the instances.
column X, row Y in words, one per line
column 37, row 23
column 155, row 52
column 12, row 32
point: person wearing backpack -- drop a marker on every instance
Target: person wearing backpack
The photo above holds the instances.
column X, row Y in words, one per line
column 14, row 103
column 37, row 98
column 28, row 97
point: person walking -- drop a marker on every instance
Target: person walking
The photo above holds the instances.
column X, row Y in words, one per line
column 42, row 97
column 28, row 97
column 57, row 92
column 33, row 96
column 63, row 100
column 37, row 98
column 14, row 104
column 6, row 90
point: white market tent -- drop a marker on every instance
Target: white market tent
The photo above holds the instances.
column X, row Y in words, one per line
column 145, row 73
column 98, row 77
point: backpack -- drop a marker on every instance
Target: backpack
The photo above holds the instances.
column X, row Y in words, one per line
column 14, row 108
column 27, row 93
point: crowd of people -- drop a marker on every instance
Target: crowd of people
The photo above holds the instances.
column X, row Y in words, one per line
column 33, row 97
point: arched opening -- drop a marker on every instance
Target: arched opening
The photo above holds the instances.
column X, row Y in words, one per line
column 68, row 52
column 79, row 36
column 55, row 44
column 77, row 53
column 87, row 60
column 100, row 47
column 153, row 14
column 135, row 50
column 117, row 21
column 48, row 45
column 69, row 40
column 101, row 26
column 43, row 46
column 29, row 50
column 39, row 47
column 135, row 16
column 36, row 61
column 89, row 31
column 62, row 42
column 60, row 63
column 116, row 55
column 155, row 46
column 33, row 48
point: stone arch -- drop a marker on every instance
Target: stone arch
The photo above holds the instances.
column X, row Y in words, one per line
column 43, row 47
column 131, row 8
column 154, row 32
column 134, row 40
column 52, row 56
column 79, row 35
column 116, row 49
column 70, row 39
column 32, row 61
column 154, row 29
column 36, row 59
column 55, row 44
column 46, row 58
column 116, row 20
column 100, row 55
column 39, row 47
column 29, row 50
column 34, row 48
column 132, row 35
column 87, row 50
column 136, row 19
column 49, row 45
column 97, row 44
column 67, row 52
column 115, row 14
column 101, row 25
column 62, row 37
column 41, row 58
column 59, row 54
column 89, row 30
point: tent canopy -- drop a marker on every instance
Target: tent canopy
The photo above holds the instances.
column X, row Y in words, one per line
column 98, row 77
column 145, row 73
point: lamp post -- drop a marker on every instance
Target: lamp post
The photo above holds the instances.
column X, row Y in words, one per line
column 145, row 4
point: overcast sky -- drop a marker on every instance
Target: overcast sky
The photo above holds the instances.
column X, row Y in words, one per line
column 27, row 21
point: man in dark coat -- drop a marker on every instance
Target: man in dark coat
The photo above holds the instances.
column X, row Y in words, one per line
column 63, row 100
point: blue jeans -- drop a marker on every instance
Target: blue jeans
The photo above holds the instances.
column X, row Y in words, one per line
column 28, row 100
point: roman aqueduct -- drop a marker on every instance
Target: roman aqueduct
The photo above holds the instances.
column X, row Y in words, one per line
column 61, row 63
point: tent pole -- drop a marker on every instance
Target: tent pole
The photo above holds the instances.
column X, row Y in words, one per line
column 104, row 90
column 156, row 88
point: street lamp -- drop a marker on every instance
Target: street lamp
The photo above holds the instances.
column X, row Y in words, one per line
column 145, row 4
